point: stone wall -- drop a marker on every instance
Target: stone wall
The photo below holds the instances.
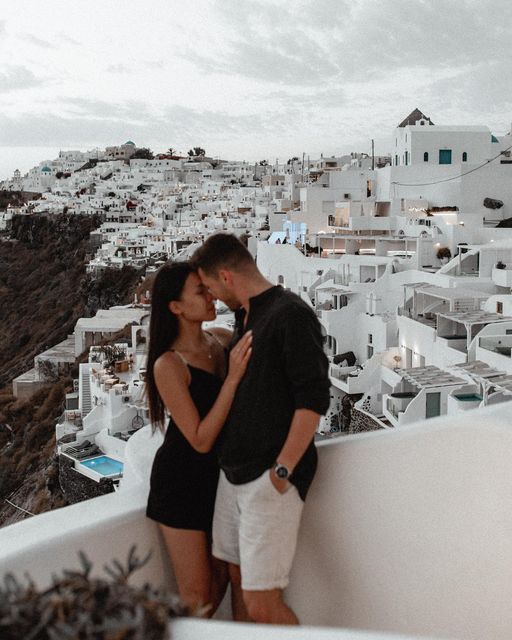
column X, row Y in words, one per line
column 361, row 422
column 77, row 487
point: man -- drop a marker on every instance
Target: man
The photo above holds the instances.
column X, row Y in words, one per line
column 266, row 450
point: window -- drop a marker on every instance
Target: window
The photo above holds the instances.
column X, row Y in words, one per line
column 370, row 338
column 464, row 156
column 370, row 352
column 445, row 156
column 396, row 161
column 425, row 156
column 406, row 158
column 499, row 307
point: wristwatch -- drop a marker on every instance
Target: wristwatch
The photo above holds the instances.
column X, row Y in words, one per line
column 282, row 472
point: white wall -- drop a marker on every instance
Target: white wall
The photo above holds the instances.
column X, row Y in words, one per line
column 422, row 545
column 490, row 304
column 421, row 339
column 404, row 530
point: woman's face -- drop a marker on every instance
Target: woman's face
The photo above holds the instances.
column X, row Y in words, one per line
column 196, row 302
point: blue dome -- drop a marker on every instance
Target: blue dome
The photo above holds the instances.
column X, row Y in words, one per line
column 46, row 169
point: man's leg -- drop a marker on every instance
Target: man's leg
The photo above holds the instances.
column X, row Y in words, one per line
column 225, row 542
column 269, row 525
column 269, row 607
column 238, row 607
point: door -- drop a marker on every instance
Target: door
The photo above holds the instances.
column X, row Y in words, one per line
column 433, row 405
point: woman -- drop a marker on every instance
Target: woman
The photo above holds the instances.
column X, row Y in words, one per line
column 186, row 375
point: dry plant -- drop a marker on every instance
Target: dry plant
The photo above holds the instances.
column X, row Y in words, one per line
column 80, row 607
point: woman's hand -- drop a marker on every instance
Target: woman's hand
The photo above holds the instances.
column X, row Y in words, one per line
column 239, row 357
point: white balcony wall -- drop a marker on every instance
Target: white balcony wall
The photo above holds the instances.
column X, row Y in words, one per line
column 94, row 421
column 502, row 277
column 404, row 531
column 496, row 360
column 422, row 340
column 371, row 223
column 111, row 446
column 455, row 405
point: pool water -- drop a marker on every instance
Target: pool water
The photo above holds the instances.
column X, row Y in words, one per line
column 469, row 397
column 104, row 465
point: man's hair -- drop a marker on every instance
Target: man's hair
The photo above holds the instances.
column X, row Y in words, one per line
column 223, row 251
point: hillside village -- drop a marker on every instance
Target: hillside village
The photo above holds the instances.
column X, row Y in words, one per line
column 405, row 260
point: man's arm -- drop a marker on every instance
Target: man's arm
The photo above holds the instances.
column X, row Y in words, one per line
column 306, row 368
column 302, row 431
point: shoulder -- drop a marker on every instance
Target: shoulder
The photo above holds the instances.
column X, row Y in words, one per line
column 291, row 307
column 170, row 364
column 222, row 334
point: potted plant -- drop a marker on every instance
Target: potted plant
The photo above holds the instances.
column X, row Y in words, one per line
column 80, row 606
column 444, row 254
column 500, row 265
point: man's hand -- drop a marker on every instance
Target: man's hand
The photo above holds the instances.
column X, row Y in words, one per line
column 281, row 485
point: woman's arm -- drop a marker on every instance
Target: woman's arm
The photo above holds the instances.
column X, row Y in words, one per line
column 172, row 380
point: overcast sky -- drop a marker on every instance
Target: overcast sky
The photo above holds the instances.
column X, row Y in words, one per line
column 245, row 79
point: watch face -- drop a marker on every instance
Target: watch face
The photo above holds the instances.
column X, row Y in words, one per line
column 282, row 472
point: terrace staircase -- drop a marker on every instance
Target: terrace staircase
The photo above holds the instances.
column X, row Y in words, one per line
column 85, row 391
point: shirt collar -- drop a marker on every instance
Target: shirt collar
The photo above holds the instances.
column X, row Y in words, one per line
column 257, row 302
column 265, row 297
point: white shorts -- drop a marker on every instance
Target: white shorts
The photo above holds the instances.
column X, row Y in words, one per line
column 256, row 527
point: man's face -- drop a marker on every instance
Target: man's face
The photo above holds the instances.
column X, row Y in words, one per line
column 220, row 289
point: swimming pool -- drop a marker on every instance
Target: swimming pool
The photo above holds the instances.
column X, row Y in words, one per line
column 469, row 397
column 104, row 465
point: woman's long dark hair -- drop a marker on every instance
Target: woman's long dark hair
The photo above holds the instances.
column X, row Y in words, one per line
column 163, row 329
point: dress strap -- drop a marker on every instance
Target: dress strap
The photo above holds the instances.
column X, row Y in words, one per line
column 180, row 355
column 187, row 366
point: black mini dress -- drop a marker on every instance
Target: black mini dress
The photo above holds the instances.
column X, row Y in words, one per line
column 183, row 481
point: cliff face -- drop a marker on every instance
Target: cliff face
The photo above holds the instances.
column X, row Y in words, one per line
column 42, row 267
column 44, row 288
column 43, row 291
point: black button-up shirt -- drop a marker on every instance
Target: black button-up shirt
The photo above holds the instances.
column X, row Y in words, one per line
column 288, row 370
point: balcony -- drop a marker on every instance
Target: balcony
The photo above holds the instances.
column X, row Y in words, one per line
column 396, row 404
column 497, row 344
column 502, row 277
column 342, row 373
column 71, row 417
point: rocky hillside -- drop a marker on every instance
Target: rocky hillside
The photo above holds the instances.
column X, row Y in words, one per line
column 43, row 291
column 16, row 198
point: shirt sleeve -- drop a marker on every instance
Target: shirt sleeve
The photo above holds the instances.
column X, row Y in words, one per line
column 305, row 362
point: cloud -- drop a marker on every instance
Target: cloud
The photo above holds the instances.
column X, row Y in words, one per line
column 274, row 42
column 176, row 125
column 323, row 42
column 17, row 77
column 131, row 111
column 65, row 38
column 118, row 68
column 154, row 64
column 39, row 42
column 476, row 90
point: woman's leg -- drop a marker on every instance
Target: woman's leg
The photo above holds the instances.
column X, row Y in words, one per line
column 189, row 551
